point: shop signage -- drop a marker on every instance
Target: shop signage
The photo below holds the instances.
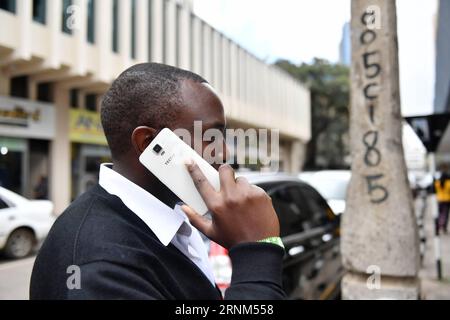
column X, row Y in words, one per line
column 86, row 127
column 26, row 119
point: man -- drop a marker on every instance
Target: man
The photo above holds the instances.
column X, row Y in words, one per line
column 128, row 237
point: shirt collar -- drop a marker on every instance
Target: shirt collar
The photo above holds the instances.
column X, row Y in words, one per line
column 164, row 221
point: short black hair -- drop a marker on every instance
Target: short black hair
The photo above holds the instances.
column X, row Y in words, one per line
column 146, row 94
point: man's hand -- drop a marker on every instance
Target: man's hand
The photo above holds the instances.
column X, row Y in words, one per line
column 241, row 212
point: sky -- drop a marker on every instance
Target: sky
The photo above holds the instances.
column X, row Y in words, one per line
column 299, row 30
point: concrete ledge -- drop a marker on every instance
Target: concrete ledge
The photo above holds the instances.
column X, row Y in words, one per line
column 357, row 287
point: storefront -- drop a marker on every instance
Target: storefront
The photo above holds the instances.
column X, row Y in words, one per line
column 26, row 130
column 89, row 149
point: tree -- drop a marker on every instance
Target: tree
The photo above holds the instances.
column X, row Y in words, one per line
column 329, row 86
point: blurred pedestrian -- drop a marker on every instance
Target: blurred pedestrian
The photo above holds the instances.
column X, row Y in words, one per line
column 41, row 189
column 442, row 187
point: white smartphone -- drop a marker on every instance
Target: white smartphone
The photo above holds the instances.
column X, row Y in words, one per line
column 166, row 158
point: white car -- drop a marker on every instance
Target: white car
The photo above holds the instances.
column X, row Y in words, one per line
column 23, row 223
column 331, row 184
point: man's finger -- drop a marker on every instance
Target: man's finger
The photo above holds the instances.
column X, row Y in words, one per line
column 242, row 181
column 202, row 184
column 227, row 180
column 201, row 223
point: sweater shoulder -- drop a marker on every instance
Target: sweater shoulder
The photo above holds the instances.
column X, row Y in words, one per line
column 97, row 226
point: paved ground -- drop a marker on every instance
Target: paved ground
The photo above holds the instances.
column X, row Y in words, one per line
column 431, row 288
column 15, row 279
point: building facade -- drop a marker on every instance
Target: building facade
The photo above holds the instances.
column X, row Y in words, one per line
column 442, row 84
column 58, row 57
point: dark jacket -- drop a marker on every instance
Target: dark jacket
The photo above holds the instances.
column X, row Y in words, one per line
column 117, row 256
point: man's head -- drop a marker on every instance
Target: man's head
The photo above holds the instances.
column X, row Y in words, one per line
column 149, row 97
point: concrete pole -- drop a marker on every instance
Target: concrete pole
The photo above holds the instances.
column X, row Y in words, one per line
column 60, row 154
column 379, row 232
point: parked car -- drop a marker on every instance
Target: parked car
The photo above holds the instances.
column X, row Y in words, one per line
column 312, row 267
column 23, row 223
column 331, row 184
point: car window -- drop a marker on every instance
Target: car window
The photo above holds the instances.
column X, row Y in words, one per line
column 292, row 213
column 3, row 204
column 318, row 207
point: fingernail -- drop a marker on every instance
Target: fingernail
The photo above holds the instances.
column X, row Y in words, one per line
column 225, row 165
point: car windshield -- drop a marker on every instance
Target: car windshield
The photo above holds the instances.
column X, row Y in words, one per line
column 11, row 198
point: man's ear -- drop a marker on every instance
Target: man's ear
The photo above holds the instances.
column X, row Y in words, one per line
column 141, row 138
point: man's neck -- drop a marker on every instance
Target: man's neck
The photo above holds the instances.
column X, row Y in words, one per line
column 147, row 181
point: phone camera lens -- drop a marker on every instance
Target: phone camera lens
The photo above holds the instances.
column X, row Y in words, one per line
column 157, row 148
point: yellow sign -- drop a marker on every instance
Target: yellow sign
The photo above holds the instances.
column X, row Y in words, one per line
column 86, row 127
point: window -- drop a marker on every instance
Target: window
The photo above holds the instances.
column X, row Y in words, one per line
column 3, row 204
column 65, row 16
column 74, row 98
column 19, row 87
column 318, row 207
column 133, row 29
column 39, row 7
column 91, row 102
column 45, row 92
column 91, row 21
column 292, row 213
column 8, row 5
column 115, row 27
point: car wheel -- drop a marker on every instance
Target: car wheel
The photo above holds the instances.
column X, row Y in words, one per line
column 19, row 244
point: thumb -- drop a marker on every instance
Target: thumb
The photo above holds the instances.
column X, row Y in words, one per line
column 201, row 223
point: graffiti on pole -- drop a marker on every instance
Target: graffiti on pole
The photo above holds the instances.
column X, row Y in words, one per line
column 371, row 20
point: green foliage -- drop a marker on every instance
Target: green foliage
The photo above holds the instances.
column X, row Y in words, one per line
column 330, row 87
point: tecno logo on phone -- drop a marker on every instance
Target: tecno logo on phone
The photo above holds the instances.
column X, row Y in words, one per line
column 169, row 160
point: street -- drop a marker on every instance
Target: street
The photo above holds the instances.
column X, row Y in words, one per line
column 15, row 278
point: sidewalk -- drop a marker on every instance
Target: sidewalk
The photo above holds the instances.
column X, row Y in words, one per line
column 15, row 279
column 431, row 288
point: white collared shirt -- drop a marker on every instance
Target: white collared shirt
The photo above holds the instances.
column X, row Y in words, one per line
column 169, row 225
